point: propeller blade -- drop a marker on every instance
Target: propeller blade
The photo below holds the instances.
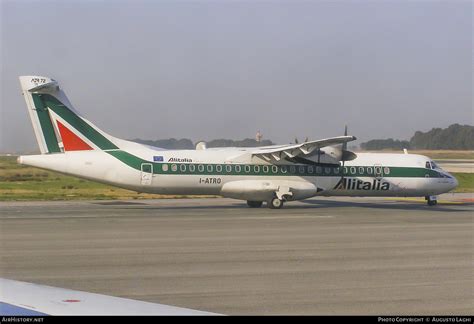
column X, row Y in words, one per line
column 344, row 145
column 344, row 148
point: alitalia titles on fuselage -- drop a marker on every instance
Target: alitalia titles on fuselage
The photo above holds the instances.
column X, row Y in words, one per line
column 180, row 160
column 358, row 184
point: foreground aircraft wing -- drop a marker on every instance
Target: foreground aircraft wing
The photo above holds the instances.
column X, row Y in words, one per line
column 294, row 150
column 28, row 299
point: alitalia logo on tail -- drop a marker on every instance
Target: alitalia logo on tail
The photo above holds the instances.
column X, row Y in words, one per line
column 58, row 127
column 358, row 184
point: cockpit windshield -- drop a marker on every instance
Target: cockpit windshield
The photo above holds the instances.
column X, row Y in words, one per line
column 431, row 165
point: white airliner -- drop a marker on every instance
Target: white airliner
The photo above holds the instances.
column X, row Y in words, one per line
column 71, row 144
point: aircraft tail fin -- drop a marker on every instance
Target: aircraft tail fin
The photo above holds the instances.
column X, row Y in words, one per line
column 57, row 125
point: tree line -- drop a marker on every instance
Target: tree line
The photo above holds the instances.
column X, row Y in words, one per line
column 454, row 137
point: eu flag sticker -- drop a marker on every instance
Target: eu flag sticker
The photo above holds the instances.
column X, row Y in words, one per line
column 158, row 158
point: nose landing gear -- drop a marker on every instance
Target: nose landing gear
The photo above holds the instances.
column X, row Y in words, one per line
column 431, row 200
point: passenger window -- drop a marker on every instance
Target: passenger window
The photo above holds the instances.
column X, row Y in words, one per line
column 310, row 169
column 274, row 169
column 238, row 168
column 361, row 170
column 164, row 167
column 386, row 170
column 353, row 170
column 283, row 169
column 378, row 171
column 370, row 170
column 327, row 170
column 201, row 168
column 228, row 168
column 292, row 169
column 209, row 168
column 192, row 167
column 428, row 165
column 219, row 168
column 256, row 168
column 247, row 168
column 301, row 169
column 182, row 167
column 174, row 167
column 337, row 170
column 266, row 168
column 319, row 170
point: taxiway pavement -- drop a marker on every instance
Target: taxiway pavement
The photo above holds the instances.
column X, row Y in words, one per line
column 321, row 256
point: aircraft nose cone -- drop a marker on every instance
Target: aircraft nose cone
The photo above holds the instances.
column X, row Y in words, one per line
column 455, row 183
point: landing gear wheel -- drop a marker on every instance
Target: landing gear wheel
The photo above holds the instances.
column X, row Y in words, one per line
column 275, row 203
column 254, row 204
column 431, row 200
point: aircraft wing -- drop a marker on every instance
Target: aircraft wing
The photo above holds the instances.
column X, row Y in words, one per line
column 27, row 299
column 294, row 150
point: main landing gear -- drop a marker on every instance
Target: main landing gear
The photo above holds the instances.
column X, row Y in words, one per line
column 275, row 203
column 431, row 200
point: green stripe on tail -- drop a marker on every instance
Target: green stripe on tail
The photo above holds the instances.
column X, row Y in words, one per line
column 48, row 101
column 46, row 125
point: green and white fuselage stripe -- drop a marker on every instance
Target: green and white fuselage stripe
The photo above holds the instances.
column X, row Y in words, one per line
column 237, row 169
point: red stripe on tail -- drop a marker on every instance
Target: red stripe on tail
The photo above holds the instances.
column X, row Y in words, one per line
column 71, row 141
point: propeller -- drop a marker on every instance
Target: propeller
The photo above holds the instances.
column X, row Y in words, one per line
column 344, row 145
column 343, row 158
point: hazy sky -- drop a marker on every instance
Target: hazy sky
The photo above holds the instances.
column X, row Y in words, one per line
column 225, row 69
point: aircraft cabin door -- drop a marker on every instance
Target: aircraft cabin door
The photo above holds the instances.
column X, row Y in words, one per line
column 146, row 174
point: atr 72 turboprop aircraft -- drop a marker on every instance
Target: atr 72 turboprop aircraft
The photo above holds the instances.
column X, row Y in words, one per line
column 71, row 144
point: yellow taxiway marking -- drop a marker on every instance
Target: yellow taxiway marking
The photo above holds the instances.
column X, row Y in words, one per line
column 424, row 201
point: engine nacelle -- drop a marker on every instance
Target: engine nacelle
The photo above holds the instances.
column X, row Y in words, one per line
column 331, row 155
